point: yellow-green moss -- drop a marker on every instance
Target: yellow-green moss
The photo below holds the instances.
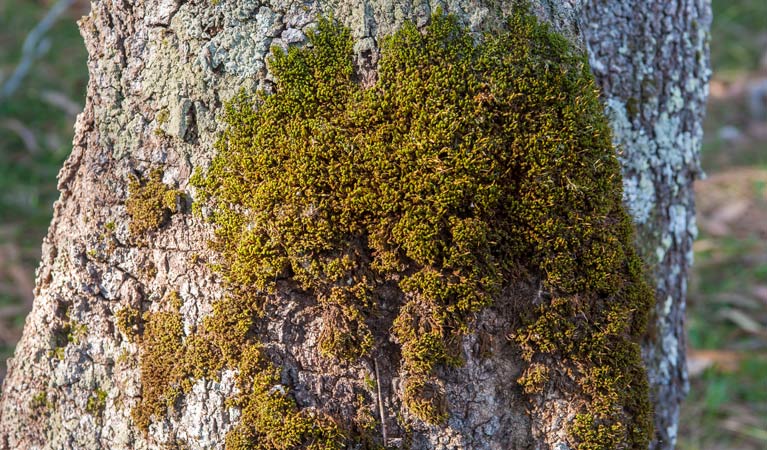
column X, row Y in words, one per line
column 464, row 169
column 534, row 379
column 150, row 203
column 270, row 419
column 68, row 332
column 127, row 321
column 96, row 402
column 58, row 353
column 344, row 333
column 40, row 401
column 171, row 361
column 76, row 332
column 163, row 116
column 161, row 371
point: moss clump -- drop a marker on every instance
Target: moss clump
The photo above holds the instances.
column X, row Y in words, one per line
column 128, row 321
column 465, row 169
column 535, row 378
column 76, row 332
column 68, row 332
column 150, row 203
column 58, row 353
column 270, row 419
column 161, row 374
column 344, row 333
column 96, row 402
column 40, row 401
column 171, row 361
column 163, row 116
column 461, row 167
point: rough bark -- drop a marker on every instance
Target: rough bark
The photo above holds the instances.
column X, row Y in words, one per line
column 651, row 61
column 159, row 74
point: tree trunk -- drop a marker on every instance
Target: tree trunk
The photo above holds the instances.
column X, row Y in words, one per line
column 651, row 62
column 124, row 251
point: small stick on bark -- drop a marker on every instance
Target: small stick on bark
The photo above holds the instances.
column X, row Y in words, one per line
column 380, row 403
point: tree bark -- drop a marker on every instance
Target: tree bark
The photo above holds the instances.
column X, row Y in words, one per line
column 160, row 73
column 651, row 62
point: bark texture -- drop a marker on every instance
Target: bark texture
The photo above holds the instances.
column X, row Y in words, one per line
column 159, row 74
column 651, row 61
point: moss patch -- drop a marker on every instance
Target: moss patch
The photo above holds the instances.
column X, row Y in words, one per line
column 270, row 419
column 68, row 332
column 464, row 169
column 96, row 402
column 127, row 321
column 150, row 203
column 170, row 361
column 161, row 373
column 40, row 401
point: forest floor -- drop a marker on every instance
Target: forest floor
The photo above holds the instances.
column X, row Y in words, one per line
column 727, row 309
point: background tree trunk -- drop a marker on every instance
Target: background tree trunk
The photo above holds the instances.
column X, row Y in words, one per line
column 651, row 61
column 159, row 74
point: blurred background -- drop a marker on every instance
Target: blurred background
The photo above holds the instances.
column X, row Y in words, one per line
column 37, row 114
column 727, row 309
column 727, row 302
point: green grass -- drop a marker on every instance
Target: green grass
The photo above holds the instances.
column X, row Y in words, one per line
column 726, row 406
column 729, row 409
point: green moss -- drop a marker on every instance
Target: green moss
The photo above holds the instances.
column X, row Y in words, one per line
column 163, row 116
column 58, row 353
column 128, row 321
column 150, row 203
column 149, row 270
column 270, row 419
column 194, row 258
column 68, row 332
column 370, row 383
column 534, row 379
column 465, row 169
column 123, row 357
column 366, row 423
column 76, row 332
column 60, row 338
column 96, row 402
column 40, row 401
column 161, row 373
column 344, row 334
column 171, row 361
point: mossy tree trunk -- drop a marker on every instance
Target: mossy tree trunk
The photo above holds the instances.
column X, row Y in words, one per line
column 651, row 62
column 143, row 335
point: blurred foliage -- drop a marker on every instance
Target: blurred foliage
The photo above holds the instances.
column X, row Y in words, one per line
column 739, row 36
column 727, row 304
column 27, row 175
column 36, row 129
